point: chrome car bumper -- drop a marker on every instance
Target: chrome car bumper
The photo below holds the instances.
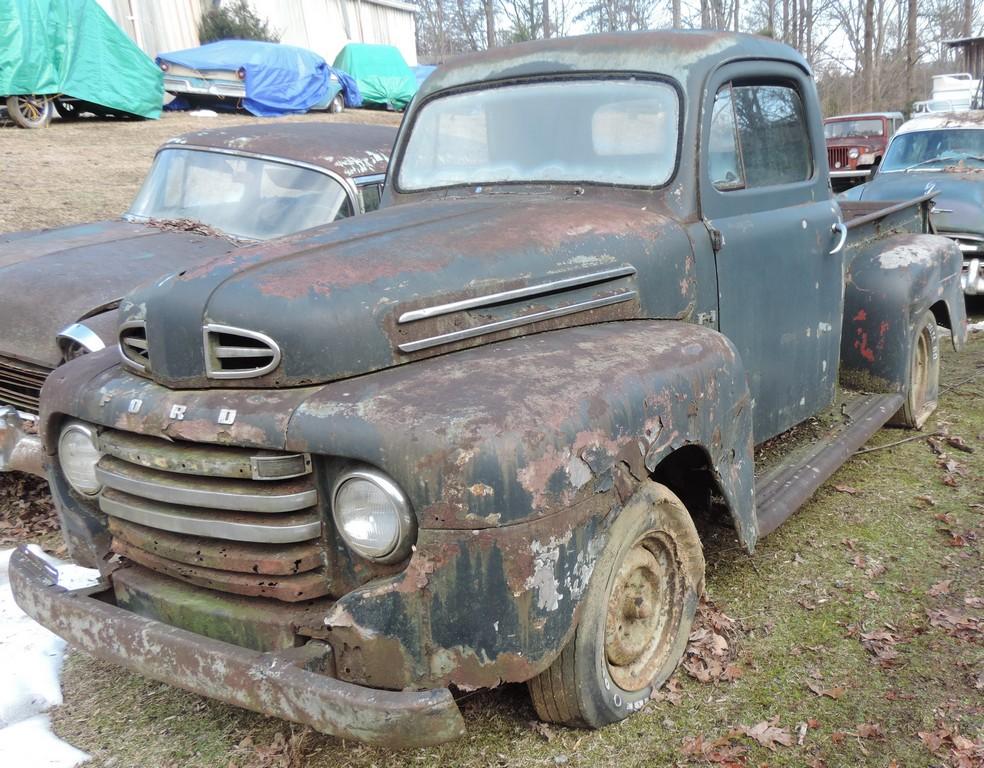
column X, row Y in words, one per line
column 20, row 449
column 972, row 277
column 282, row 684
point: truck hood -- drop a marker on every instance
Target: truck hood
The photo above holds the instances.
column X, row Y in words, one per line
column 52, row 278
column 411, row 281
column 959, row 202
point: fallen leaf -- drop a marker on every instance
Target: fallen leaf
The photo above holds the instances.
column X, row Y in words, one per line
column 831, row 693
column 940, row 588
column 926, row 499
column 768, row 734
column 870, row 731
column 960, row 444
column 847, row 489
column 872, row 595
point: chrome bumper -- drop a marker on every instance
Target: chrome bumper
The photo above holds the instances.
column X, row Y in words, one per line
column 972, row 277
column 20, row 450
column 849, row 174
column 281, row 684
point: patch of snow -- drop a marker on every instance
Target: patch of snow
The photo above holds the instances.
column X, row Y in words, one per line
column 203, row 113
column 976, row 326
column 30, row 663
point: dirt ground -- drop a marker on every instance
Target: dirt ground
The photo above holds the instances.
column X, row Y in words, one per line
column 71, row 173
column 854, row 635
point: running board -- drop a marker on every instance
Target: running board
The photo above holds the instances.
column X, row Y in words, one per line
column 786, row 488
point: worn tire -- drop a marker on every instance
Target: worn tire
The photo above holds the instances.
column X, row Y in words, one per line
column 337, row 104
column 650, row 578
column 923, row 378
column 30, row 111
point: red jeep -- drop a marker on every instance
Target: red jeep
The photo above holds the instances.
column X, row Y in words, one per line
column 856, row 143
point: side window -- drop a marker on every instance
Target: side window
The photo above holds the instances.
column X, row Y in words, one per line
column 370, row 196
column 724, row 163
column 772, row 133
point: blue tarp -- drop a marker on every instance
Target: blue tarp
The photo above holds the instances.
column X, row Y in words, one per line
column 280, row 79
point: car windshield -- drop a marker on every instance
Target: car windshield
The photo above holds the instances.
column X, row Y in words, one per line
column 853, row 129
column 610, row 132
column 932, row 150
column 245, row 197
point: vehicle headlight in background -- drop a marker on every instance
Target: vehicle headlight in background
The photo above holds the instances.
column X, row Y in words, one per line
column 866, row 158
column 78, row 456
column 373, row 516
column 853, row 153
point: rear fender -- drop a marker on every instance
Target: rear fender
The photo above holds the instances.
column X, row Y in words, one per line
column 891, row 282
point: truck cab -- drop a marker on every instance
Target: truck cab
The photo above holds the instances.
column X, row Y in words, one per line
column 464, row 440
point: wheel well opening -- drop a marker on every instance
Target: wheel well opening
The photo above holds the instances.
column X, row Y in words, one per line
column 942, row 314
column 687, row 472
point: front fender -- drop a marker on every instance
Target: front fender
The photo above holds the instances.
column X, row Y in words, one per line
column 891, row 282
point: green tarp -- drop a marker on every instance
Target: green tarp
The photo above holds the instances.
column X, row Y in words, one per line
column 383, row 76
column 72, row 47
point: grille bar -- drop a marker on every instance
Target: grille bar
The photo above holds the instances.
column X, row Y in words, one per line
column 286, row 528
column 213, row 493
column 837, row 155
column 20, row 384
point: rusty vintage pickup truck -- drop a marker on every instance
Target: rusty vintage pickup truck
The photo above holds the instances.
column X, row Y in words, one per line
column 463, row 441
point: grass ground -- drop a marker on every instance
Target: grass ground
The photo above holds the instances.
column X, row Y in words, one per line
column 870, row 594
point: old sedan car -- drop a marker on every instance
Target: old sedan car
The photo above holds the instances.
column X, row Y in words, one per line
column 941, row 153
column 207, row 193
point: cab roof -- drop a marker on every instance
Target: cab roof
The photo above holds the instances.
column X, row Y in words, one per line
column 938, row 120
column 684, row 55
column 348, row 149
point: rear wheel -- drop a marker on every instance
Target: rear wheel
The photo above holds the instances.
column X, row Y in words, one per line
column 30, row 111
column 337, row 104
column 635, row 620
column 68, row 109
column 923, row 383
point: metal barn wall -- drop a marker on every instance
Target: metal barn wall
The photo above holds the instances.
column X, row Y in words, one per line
column 323, row 26
column 157, row 25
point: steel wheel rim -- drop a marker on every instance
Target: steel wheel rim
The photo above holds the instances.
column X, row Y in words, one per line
column 642, row 613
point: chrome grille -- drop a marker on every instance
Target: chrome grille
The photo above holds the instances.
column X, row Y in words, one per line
column 235, row 353
column 133, row 345
column 837, row 155
column 196, row 512
column 20, row 384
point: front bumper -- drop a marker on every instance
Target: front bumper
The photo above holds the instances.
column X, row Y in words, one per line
column 281, row 684
column 972, row 277
column 20, row 450
column 850, row 174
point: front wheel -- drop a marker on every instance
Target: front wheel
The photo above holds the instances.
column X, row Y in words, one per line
column 635, row 620
column 337, row 104
column 30, row 111
column 923, row 382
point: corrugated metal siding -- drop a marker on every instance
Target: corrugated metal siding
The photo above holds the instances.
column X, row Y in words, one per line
column 157, row 25
column 324, row 26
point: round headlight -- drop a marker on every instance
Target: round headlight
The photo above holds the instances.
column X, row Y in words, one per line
column 78, row 455
column 853, row 153
column 373, row 516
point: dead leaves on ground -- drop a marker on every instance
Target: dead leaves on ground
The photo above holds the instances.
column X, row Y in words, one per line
column 713, row 646
column 26, row 511
column 726, row 752
column 960, row 751
column 880, row 643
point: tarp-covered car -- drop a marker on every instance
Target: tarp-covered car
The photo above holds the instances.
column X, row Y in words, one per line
column 208, row 193
column 265, row 79
column 384, row 78
column 71, row 52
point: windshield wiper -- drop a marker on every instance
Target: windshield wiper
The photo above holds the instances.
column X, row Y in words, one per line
column 941, row 159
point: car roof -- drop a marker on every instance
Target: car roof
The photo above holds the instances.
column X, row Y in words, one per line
column 863, row 114
column 940, row 120
column 689, row 56
column 348, row 149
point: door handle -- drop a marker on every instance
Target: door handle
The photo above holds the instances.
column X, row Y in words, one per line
column 842, row 228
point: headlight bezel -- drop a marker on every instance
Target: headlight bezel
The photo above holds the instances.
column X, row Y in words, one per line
column 406, row 520
column 91, row 435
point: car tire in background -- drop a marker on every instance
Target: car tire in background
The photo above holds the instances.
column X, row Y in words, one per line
column 30, row 111
column 337, row 104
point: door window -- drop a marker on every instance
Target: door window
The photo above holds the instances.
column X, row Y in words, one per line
column 370, row 196
column 773, row 142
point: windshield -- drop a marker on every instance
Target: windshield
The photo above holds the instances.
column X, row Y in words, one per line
column 932, row 150
column 245, row 197
column 854, row 129
column 607, row 132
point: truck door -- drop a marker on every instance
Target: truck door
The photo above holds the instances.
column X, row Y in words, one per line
column 766, row 202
